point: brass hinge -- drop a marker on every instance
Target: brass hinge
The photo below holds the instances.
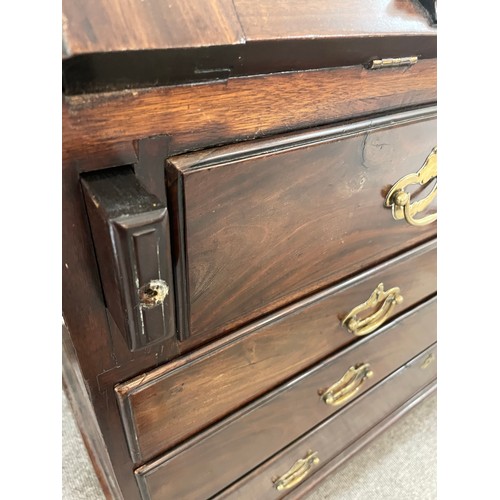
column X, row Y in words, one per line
column 392, row 62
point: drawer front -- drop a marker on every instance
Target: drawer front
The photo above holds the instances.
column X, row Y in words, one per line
column 271, row 481
column 262, row 224
column 217, row 457
column 175, row 401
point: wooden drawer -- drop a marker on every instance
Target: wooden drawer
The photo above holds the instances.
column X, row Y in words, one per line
column 337, row 433
column 169, row 404
column 219, row 456
column 264, row 223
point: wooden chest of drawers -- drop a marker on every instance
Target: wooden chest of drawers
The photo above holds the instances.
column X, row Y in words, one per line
column 249, row 240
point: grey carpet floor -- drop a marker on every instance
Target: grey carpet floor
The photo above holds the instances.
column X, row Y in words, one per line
column 398, row 465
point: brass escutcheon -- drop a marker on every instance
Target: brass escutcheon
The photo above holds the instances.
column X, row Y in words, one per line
column 348, row 385
column 388, row 300
column 400, row 201
column 299, row 470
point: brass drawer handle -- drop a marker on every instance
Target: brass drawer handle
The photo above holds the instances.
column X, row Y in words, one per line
column 298, row 472
column 388, row 300
column 400, row 201
column 348, row 385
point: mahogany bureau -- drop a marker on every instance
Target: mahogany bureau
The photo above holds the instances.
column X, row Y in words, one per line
column 249, row 237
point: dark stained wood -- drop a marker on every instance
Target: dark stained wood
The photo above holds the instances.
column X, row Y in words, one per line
column 150, row 166
column 266, row 19
column 249, row 437
column 169, row 404
column 112, row 71
column 310, row 206
column 131, row 236
column 83, row 411
column 102, row 353
column 144, row 127
column 117, row 25
column 335, row 434
column 99, row 349
column 326, row 470
column 98, row 130
column 162, row 44
column 96, row 26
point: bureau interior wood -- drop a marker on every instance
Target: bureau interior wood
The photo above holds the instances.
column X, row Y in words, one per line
column 167, row 405
column 339, row 431
column 261, row 224
column 213, row 460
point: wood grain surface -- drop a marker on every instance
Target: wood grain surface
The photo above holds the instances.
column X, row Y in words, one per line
column 99, row 130
column 110, row 45
column 115, row 71
column 331, row 437
column 101, row 351
column 118, row 25
column 264, row 224
column 307, row 487
column 237, row 444
column 144, row 127
column 113, row 26
column 115, row 129
column 266, row 19
column 169, row 404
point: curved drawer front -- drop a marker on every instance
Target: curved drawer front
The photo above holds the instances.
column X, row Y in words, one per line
column 169, row 404
column 329, row 439
column 224, row 453
column 264, row 223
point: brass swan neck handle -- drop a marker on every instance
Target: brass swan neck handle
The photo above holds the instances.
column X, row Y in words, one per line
column 400, row 200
